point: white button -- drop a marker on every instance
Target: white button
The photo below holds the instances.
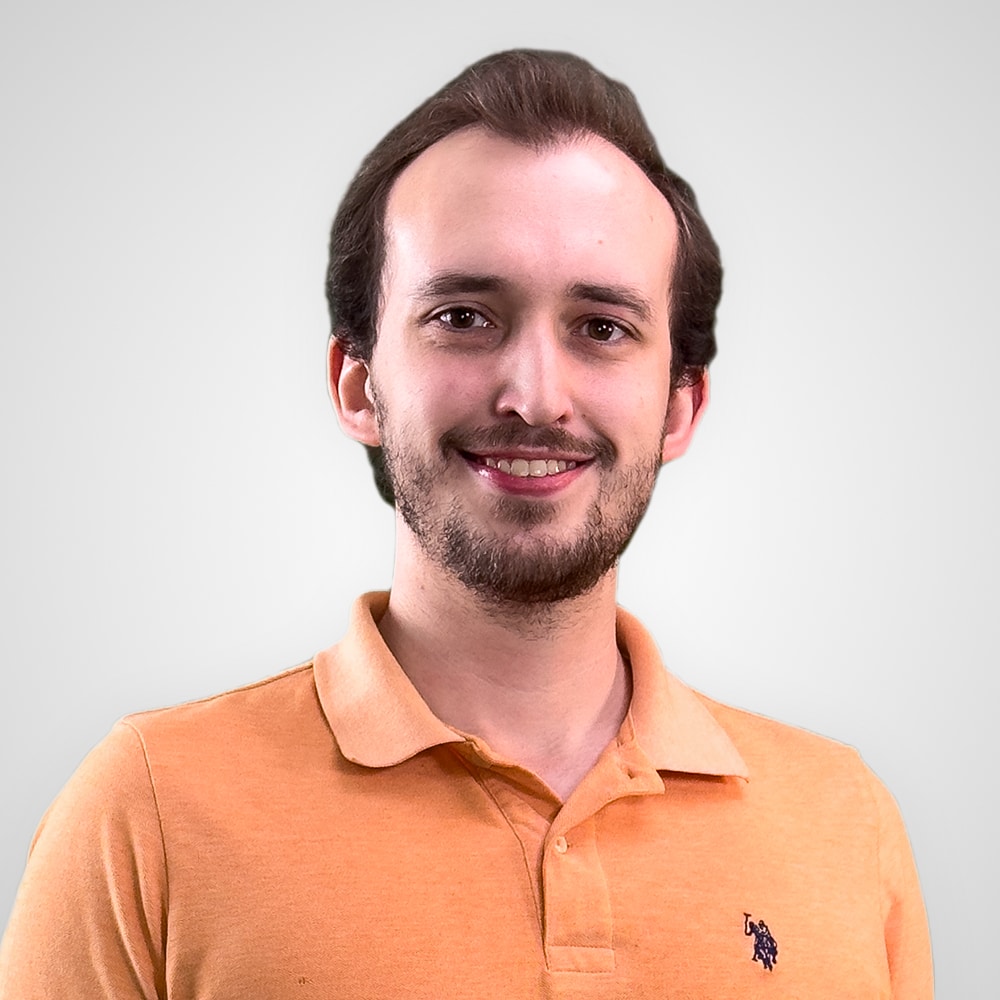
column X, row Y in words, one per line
column 560, row 845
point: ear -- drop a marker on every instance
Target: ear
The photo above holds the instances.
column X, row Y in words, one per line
column 687, row 404
column 349, row 382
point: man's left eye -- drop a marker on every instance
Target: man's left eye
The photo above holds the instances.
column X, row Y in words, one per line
column 606, row 331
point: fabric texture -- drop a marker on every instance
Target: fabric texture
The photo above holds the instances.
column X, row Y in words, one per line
column 322, row 834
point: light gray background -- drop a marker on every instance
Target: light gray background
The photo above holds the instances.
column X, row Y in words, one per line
column 181, row 514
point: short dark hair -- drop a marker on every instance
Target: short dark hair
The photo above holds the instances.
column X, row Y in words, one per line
column 538, row 99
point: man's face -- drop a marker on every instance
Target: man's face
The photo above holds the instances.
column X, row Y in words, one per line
column 521, row 366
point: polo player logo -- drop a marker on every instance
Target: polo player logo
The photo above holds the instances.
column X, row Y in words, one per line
column 765, row 948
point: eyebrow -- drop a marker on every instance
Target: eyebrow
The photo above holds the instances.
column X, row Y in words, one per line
column 465, row 283
column 616, row 295
column 459, row 283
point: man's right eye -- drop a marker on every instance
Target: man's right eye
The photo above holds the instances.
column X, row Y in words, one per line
column 461, row 318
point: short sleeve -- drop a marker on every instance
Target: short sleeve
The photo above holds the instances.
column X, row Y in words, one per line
column 89, row 920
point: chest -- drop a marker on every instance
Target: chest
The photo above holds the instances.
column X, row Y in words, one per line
column 462, row 891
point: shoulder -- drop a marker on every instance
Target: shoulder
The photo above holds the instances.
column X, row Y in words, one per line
column 762, row 737
column 273, row 708
column 262, row 732
column 236, row 723
column 266, row 693
column 793, row 766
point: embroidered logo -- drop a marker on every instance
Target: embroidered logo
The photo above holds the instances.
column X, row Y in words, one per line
column 765, row 948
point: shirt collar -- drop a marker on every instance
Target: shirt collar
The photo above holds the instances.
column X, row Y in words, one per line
column 376, row 714
column 673, row 726
column 379, row 718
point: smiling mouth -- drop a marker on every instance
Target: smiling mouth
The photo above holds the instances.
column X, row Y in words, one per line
column 525, row 468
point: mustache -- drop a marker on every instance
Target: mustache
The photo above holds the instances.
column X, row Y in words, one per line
column 500, row 436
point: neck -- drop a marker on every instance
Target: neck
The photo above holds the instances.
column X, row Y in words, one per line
column 543, row 685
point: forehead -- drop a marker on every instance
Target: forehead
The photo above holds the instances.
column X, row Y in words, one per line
column 579, row 210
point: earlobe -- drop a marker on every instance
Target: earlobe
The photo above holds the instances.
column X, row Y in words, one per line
column 687, row 404
column 349, row 383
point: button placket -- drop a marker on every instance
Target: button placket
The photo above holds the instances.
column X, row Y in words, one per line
column 577, row 903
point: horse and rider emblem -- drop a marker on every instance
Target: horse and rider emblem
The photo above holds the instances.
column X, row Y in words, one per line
column 765, row 948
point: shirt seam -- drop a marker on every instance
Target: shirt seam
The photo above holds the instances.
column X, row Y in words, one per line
column 877, row 811
column 163, row 840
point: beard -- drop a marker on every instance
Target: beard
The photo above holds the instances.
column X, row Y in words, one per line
column 518, row 564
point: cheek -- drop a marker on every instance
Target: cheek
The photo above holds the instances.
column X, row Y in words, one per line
column 631, row 407
column 453, row 392
column 429, row 404
column 644, row 430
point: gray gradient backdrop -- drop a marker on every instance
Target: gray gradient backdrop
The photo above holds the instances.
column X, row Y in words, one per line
column 180, row 513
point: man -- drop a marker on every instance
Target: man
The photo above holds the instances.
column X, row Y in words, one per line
column 490, row 787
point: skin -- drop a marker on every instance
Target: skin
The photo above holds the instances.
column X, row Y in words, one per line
column 563, row 355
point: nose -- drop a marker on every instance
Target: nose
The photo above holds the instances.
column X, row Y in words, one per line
column 534, row 378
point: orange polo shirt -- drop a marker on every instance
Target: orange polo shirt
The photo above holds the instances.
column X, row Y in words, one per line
column 322, row 834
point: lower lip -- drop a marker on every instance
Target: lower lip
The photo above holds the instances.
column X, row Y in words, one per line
column 527, row 486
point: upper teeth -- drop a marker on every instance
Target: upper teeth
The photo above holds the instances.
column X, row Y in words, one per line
column 529, row 467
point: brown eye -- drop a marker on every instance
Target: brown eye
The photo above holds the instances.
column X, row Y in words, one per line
column 461, row 318
column 604, row 330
